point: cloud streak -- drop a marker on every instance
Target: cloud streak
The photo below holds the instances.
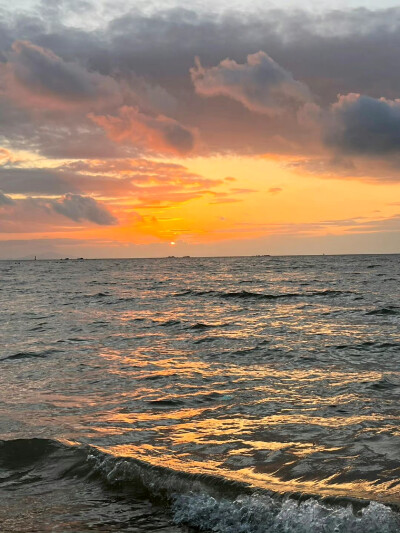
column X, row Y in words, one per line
column 114, row 178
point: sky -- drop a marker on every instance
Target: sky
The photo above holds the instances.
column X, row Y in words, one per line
column 148, row 129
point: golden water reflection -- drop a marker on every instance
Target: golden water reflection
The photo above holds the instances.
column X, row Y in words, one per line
column 326, row 487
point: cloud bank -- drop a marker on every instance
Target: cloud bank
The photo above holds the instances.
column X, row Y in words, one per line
column 131, row 87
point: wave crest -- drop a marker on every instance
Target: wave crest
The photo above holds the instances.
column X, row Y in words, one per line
column 205, row 502
column 264, row 514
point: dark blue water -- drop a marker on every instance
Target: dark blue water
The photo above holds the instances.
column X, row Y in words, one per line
column 256, row 394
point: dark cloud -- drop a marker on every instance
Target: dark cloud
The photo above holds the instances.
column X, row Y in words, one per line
column 45, row 78
column 41, row 214
column 77, row 208
column 151, row 44
column 42, row 70
column 364, row 125
column 326, row 51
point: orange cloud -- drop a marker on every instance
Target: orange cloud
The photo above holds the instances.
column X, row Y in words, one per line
column 6, row 157
column 157, row 133
column 132, row 179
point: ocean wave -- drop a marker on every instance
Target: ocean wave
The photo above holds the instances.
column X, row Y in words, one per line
column 125, row 299
column 203, row 326
column 247, row 295
column 206, row 502
column 368, row 344
column 168, row 323
column 192, row 292
column 386, row 383
column 94, row 296
column 389, row 310
column 30, row 355
column 206, row 339
column 165, row 403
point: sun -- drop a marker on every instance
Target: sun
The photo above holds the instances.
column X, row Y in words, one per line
column 172, row 243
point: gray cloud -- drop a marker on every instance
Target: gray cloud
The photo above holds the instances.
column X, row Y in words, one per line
column 77, row 208
column 38, row 214
column 260, row 84
column 140, row 56
column 37, row 181
column 74, row 179
column 42, row 72
column 5, row 200
column 364, row 125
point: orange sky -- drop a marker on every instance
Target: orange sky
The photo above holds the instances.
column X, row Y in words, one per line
column 233, row 149
column 254, row 199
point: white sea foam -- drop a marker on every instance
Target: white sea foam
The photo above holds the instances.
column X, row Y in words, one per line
column 201, row 502
column 264, row 514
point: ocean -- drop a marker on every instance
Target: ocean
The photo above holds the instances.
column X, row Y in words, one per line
column 234, row 395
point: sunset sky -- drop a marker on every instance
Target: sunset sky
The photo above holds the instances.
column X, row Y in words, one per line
column 140, row 129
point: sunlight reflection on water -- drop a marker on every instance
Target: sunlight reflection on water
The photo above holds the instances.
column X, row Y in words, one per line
column 289, row 384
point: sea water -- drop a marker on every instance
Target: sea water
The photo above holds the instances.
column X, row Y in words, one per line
column 245, row 394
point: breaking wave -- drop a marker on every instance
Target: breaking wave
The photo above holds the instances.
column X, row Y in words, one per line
column 208, row 503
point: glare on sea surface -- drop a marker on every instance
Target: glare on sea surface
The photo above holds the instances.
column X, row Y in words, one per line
column 205, row 367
